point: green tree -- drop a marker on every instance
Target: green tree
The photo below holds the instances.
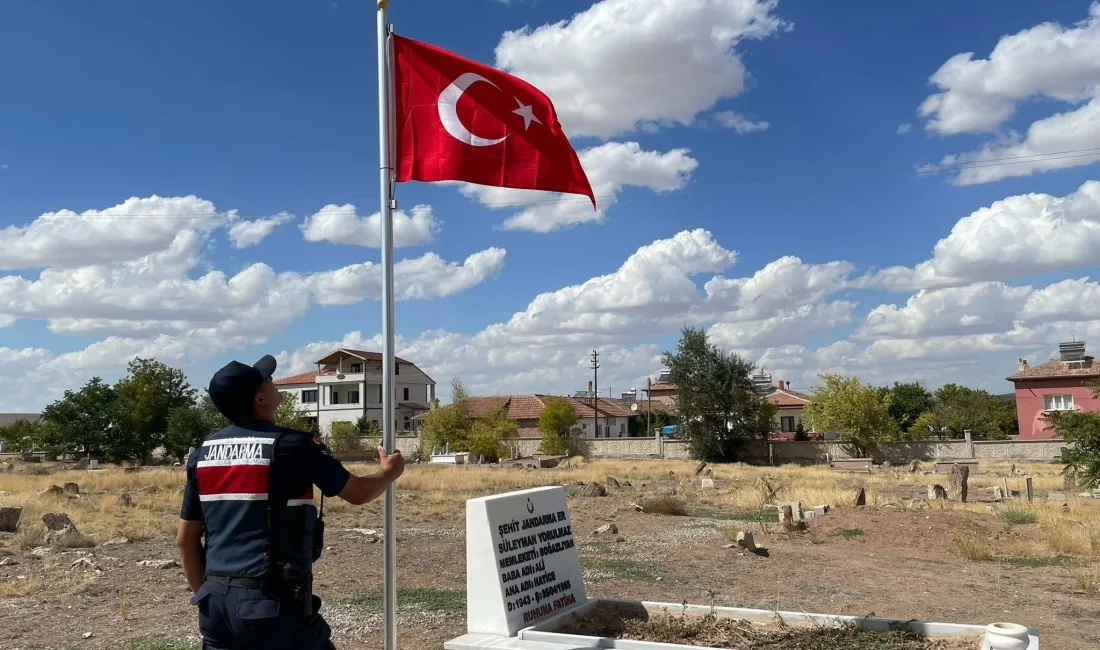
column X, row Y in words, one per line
column 854, row 411
column 657, row 418
column 148, row 393
column 556, row 423
column 448, row 424
column 91, row 421
column 906, row 402
column 212, row 414
column 22, row 435
column 765, row 419
column 1081, row 431
column 718, row 408
column 488, row 432
column 188, row 426
column 984, row 415
column 930, row 424
column 289, row 415
column 800, row 432
column 368, row 428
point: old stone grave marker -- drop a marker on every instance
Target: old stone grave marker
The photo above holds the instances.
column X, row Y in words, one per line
column 707, row 483
column 521, row 560
column 959, row 479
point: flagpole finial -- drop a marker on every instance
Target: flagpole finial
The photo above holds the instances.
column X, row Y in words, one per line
column 383, row 4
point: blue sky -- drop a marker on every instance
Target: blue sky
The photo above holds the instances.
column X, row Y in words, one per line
column 269, row 109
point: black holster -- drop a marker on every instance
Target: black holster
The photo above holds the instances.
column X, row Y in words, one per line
column 299, row 584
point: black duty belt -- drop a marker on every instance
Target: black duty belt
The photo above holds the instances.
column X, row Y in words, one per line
column 246, row 583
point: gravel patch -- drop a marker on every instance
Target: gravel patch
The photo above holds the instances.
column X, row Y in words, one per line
column 352, row 622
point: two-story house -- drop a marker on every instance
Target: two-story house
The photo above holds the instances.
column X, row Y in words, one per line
column 1062, row 384
column 347, row 385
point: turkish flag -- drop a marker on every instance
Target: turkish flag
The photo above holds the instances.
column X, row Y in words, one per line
column 459, row 120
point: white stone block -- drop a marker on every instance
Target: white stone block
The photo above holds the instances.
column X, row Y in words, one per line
column 522, row 565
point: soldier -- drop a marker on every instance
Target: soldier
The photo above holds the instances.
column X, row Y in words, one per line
column 249, row 496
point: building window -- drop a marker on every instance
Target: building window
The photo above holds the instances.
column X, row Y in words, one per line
column 1058, row 402
column 622, row 429
column 396, row 368
column 406, row 394
column 379, row 393
column 786, row 424
column 309, row 397
column 356, row 367
column 353, row 397
column 335, row 397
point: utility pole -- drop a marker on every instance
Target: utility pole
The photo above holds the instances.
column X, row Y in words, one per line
column 595, row 391
column 649, row 404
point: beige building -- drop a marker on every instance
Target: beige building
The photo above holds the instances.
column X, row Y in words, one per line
column 609, row 419
column 347, row 385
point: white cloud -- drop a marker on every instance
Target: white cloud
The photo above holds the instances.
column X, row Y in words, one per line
column 625, row 64
column 610, row 167
column 977, row 308
column 1014, row 237
column 128, row 231
column 428, row 276
column 904, row 128
column 1048, row 61
column 739, row 123
column 785, row 327
column 1068, row 300
column 339, row 224
column 249, row 233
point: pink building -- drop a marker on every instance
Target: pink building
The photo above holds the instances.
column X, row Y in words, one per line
column 1062, row 384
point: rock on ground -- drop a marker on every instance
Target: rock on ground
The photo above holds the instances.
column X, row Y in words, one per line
column 594, row 490
column 71, row 488
column 125, row 500
column 612, row 482
column 159, row 564
column 861, row 498
column 57, row 521
column 607, row 529
column 9, row 519
column 960, row 476
column 745, row 541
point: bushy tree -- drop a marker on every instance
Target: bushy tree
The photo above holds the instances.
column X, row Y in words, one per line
column 448, row 424
column 22, row 435
column 800, row 432
column 556, row 424
column 854, row 411
column 718, row 408
column 488, row 432
column 91, row 421
column 148, row 393
column 986, row 416
column 765, row 419
column 1081, row 431
column 343, row 437
column 290, row 415
column 906, row 402
column 188, row 426
column 212, row 414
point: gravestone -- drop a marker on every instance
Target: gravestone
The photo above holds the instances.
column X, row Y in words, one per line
column 937, row 492
column 521, row 560
column 960, row 475
column 1030, row 488
column 861, row 498
column 707, row 483
column 93, row 464
column 9, row 519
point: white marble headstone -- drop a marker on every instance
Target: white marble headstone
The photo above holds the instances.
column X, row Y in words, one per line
column 521, row 560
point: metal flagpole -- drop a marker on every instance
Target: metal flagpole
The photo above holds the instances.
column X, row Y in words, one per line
column 385, row 173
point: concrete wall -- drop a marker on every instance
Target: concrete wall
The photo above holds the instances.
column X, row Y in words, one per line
column 798, row 452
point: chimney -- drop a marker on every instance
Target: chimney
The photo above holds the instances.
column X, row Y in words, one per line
column 780, row 384
column 1021, row 365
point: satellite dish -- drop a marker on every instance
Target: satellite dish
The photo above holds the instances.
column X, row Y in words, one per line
column 634, row 406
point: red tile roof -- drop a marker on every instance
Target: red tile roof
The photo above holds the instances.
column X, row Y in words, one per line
column 782, row 397
column 371, row 356
column 662, row 387
column 304, row 378
column 529, row 407
column 1056, row 368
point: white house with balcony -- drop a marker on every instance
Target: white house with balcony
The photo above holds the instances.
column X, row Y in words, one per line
column 347, row 385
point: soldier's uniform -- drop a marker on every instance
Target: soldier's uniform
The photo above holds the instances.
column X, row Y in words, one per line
column 251, row 484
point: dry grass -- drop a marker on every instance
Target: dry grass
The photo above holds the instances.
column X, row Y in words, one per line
column 665, row 505
column 973, row 548
column 427, row 492
column 1087, row 578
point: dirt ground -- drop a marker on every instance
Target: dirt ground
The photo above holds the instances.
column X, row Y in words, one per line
column 887, row 561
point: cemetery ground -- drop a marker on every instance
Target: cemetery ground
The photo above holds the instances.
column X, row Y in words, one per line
column 900, row 556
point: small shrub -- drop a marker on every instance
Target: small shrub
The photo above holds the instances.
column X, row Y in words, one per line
column 1087, row 578
column 973, row 548
column 1014, row 515
column 31, row 536
column 664, row 505
column 344, row 438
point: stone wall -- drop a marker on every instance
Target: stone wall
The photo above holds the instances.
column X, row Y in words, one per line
column 897, row 453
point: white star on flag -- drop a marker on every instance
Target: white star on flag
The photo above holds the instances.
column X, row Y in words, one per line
column 526, row 113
